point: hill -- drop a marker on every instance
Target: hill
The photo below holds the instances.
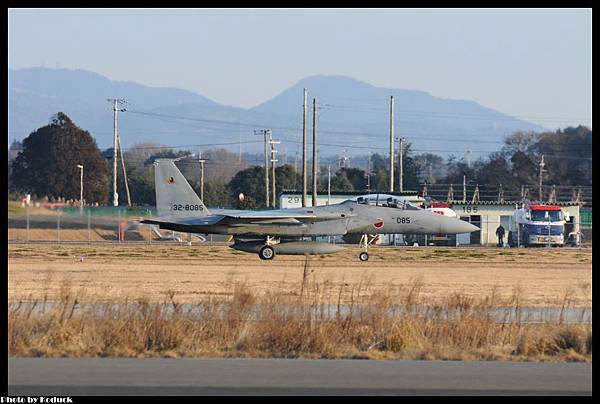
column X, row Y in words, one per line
column 352, row 115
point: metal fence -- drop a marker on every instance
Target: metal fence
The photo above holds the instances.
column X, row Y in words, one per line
column 31, row 225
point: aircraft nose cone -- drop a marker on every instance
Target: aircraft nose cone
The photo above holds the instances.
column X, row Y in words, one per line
column 456, row 226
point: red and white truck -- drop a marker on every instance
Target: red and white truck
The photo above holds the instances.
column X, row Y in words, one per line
column 536, row 224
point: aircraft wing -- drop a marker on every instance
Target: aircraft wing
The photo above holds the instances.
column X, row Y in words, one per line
column 242, row 218
column 283, row 218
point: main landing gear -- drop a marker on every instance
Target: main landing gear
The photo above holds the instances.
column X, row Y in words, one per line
column 365, row 241
column 268, row 252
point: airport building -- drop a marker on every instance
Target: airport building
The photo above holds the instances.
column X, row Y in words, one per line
column 487, row 215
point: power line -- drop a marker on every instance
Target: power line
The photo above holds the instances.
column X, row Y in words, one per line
column 255, row 125
column 462, row 115
column 336, row 145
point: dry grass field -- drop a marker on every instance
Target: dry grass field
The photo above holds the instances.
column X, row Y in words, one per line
column 542, row 277
column 210, row 301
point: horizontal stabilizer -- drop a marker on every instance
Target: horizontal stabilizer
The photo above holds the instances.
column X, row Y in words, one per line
column 195, row 221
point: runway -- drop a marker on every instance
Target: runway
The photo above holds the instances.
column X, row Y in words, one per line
column 93, row 376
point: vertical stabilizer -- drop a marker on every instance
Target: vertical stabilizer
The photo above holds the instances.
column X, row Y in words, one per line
column 174, row 195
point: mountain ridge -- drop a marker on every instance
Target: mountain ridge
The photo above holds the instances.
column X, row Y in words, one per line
column 346, row 106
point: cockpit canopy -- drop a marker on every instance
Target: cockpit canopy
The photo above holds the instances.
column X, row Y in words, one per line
column 385, row 200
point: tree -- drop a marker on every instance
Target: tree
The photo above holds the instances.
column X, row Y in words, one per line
column 496, row 170
column 379, row 162
column 410, row 180
column 141, row 186
column 247, row 203
column 456, row 169
column 568, row 156
column 137, row 156
column 520, row 141
column 429, row 167
column 221, row 165
column 15, row 148
column 250, row 182
column 286, row 178
column 47, row 166
column 341, row 183
column 380, row 181
column 13, row 151
column 167, row 154
column 357, row 178
column 216, row 194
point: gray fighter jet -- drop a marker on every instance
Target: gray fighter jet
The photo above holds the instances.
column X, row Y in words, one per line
column 282, row 231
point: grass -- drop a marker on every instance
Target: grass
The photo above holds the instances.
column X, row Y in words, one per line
column 394, row 323
column 15, row 208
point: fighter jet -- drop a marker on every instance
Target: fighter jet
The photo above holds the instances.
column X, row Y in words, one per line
column 283, row 231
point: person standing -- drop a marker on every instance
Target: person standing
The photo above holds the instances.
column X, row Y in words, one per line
column 500, row 235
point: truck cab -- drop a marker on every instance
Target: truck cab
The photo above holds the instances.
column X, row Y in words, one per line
column 537, row 225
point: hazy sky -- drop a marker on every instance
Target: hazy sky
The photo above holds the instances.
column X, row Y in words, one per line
column 534, row 64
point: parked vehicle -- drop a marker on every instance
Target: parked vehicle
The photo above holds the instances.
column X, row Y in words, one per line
column 537, row 225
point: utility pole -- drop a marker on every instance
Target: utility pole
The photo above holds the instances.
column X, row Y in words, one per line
column 541, row 195
column 273, row 161
column 464, row 188
column 80, row 166
column 314, row 162
column 265, row 133
column 124, row 171
column 115, row 134
column 295, row 169
column 115, row 102
column 201, row 161
column 343, row 161
column 476, row 194
column 369, row 173
column 401, row 164
column 304, row 179
column 328, row 184
column 392, row 143
column 240, row 155
column 552, row 197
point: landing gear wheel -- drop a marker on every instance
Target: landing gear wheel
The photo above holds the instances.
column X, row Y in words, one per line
column 266, row 253
column 363, row 256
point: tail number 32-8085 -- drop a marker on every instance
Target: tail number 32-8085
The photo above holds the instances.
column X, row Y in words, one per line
column 179, row 206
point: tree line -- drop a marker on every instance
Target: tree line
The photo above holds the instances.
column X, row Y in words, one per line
column 45, row 165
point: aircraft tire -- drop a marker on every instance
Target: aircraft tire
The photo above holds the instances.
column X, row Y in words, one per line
column 363, row 256
column 266, row 253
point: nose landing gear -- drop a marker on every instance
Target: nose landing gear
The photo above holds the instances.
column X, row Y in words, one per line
column 365, row 241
